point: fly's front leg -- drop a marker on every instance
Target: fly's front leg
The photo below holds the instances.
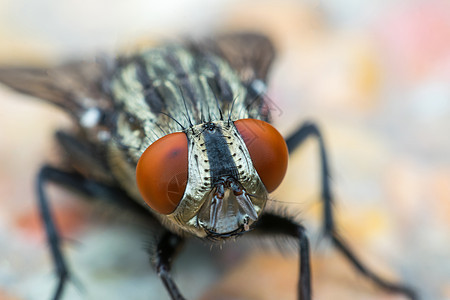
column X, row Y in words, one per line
column 168, row 247
column 53, row 237
column 85, row 186
column 271, row 224
column 311, row 130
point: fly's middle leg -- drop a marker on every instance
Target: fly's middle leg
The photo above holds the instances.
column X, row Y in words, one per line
column 271, row 224
column 87, row 187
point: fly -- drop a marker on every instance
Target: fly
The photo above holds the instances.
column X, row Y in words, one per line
column 179, row 133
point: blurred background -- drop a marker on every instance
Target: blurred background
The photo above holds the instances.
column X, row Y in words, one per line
column 374, row 75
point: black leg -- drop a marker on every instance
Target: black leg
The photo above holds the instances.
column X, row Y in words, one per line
column 311, row 130
column 91, row 188
column 275, row 225
column 295, row 140
column 167, row 248
column 53, row 238
column 390, row 286
column 87, row 187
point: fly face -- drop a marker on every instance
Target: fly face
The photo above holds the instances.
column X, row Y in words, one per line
column 223, row 192
column 236, row 194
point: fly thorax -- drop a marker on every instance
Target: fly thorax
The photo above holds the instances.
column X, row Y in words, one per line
column 224, row 194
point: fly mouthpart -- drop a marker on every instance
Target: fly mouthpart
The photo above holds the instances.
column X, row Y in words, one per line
column 244, row 202
column 228, row 210
column 215, row 236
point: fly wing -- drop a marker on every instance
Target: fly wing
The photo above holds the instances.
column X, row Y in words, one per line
column 75, row 87
column 250, row 54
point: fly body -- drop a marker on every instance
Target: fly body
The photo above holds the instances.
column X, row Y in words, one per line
column 181, row 134
column 176, row 89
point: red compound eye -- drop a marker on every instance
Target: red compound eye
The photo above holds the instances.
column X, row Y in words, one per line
column 162, row 172
column 267, row 149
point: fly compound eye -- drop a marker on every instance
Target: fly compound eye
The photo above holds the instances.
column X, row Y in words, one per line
column 162, row 171
column 267, row 149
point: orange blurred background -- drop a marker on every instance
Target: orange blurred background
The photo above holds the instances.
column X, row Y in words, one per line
column 373, row 75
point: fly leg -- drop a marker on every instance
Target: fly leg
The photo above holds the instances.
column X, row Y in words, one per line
column 53, row 237
column 168, row 247
column 87, row 187
column 271, row 224
column 293, row 141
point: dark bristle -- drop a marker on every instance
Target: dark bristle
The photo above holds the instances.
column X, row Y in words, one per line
column 169, row 116
column 188, row 117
